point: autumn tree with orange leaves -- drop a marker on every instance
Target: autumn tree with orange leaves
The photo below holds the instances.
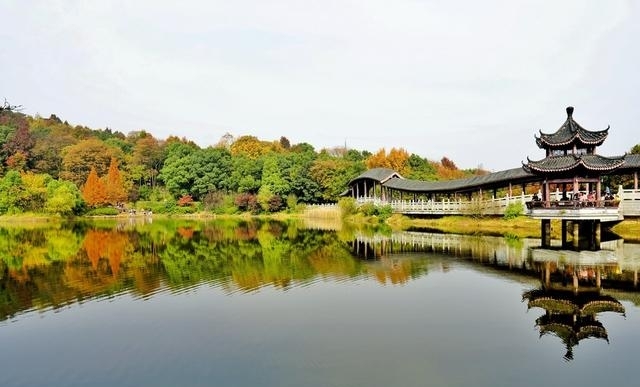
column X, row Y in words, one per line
column 114, row 184
column 93, row 191
column 110, row 190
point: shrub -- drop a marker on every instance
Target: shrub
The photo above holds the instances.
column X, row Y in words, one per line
column 513, row 210
column 185, row 201
column 213, row 200
column 347, row 206
column 292, row 202
column 368, row 209
column 384, row 212
column 103, row 211
column 275, row 204
column 247, row 202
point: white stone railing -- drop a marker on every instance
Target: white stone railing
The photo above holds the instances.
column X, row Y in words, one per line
column 495, row 206
column 629, row 201
column 629, row 204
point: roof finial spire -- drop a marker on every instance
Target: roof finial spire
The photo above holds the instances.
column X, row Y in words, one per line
column 569, row 111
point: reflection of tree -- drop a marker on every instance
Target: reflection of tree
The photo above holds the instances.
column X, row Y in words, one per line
column 54, row 267
column 571, row 315
column 106, row 244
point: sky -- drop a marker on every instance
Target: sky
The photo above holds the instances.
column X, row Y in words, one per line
column 470, row 80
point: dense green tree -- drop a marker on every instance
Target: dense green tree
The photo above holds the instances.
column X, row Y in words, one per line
column 421, row 168
column 275, row 174
column 246, row 174
column 63, row 198
column 177, row 172
column 212, row 168
column 13, row 195
column 334, row 174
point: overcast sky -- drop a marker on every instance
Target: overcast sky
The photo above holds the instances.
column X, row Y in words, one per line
column 470, row 80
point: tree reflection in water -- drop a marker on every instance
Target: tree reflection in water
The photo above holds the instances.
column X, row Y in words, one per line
column 52, row 267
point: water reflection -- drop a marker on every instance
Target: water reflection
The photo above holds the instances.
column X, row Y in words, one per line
column 571, row 315
column 51, row 267
column 571, row 285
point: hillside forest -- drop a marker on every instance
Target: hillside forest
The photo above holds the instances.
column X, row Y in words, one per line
column 52, row 167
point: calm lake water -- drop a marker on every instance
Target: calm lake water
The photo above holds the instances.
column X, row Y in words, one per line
column 273, row 304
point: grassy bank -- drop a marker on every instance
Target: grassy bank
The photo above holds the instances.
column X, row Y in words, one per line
column 522, row 227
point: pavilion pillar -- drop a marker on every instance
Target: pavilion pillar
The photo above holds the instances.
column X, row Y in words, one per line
column 357, row 190
column 365, row 189
column 545, row 232
column 510, row 190
column 597, row 233
column 495, row 193
column 598, row 278
column 575, row 280
column 598, row 190
column 635, row 180
column 546, row 192
column 564, row 232
column 576, row 234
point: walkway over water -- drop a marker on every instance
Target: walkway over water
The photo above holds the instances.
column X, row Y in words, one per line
column 626, row 204
column 571, row 183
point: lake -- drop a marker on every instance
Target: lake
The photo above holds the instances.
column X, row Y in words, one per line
column 228, row 303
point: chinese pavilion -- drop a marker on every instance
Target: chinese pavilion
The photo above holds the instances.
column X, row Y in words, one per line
column 572, row 165
column 571, row 160
column 565, row 185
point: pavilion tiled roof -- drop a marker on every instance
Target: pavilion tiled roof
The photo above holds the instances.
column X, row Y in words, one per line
column 566, row 163
column 378, row 174
column 571, row 132
column 631, row 161
column 470, row 183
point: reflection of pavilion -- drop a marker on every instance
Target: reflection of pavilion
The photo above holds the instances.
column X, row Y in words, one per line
column 571, row 316
column 570, row 294
column 584, row 269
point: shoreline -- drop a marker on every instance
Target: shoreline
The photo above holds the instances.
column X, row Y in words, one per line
column 521, row 227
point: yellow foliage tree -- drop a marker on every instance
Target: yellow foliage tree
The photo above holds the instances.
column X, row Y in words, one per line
column 397, row 159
